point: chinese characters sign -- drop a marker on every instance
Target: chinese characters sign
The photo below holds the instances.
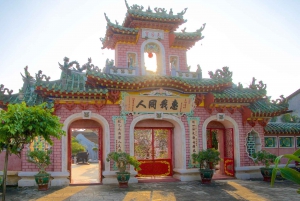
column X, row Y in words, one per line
column 150, row 104
column 119, row 122
column 193, row 128
column 152, row 33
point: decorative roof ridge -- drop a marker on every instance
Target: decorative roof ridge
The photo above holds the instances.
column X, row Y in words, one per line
column 224, row 73
column 198, row 31
column 118, row 26
column 158, row 11
column 259, row 86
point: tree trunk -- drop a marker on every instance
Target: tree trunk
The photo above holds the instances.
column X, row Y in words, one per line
column 5, row 175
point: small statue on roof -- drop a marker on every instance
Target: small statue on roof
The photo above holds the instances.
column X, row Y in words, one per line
column 3, row 90
column 259, row 86
column 39, row 76
column 66, row 67
column 224, row 73
column 182, row 12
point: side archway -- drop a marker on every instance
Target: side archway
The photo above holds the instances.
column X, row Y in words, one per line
column 106, row 131
column 228, row 122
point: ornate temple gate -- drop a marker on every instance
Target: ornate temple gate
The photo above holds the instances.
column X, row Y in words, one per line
column 222, row 140
column 153, row 148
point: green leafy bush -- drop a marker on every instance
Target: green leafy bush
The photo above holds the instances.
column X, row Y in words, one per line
column 264, row 157
column 207, row 159
column 41, row 158
column 123, row 159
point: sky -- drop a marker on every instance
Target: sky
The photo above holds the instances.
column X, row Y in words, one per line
column 254, row 38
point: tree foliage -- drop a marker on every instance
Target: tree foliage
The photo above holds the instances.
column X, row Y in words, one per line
column 289, row 118
column 20, row 125
column 76, row 146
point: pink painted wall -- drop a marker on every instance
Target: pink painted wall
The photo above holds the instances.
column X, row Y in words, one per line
column 122, row 49
column 114, row 110
column 14, row 162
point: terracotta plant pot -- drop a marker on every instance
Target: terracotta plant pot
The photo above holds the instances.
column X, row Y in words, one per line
column 266, row 173
column 42, row 180
column 123, row 178
column 206, row 175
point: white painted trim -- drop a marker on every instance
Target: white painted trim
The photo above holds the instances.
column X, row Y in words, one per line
column 237, row 160
column 106, row 135
column 179, row 141
column 161, row 58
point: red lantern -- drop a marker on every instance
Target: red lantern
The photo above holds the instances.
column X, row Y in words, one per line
column 150, row 55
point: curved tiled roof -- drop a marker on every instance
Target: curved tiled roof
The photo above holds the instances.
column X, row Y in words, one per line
column 239, row 95
column 264, row 108
column 148, row 81
column 282, row 128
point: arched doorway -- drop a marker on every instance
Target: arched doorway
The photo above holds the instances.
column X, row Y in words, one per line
column 85, row 152
column 221, row 138
column 153, row 142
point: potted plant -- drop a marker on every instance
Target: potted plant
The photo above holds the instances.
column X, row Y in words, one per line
column 41, row 158
column 207, row 159
column 122, row 159
column 266, row 158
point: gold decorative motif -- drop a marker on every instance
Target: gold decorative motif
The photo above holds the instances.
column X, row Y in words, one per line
column 228, row 167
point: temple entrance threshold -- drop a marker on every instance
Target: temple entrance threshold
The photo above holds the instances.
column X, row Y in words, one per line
column 84, row 154
column 221, row 139
column 153, row 148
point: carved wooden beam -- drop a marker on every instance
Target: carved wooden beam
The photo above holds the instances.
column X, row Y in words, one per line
column 57, row 106
column 84, row 106
column 252, row 122
column 209, row 99
column 199, row 98
column 231, row 109
column 114, row 96
column 99, row 104
column 70, row 106
column 246, row 113
column 263, row 122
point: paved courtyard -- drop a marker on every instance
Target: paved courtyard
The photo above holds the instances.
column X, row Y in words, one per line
column 165, row 191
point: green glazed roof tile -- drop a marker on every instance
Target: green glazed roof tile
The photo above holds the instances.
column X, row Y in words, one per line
column 264, row 106
column 282, row 128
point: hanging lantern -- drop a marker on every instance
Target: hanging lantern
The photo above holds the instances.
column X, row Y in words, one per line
column 150, row 54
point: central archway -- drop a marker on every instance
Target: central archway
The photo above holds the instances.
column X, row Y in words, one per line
column 179, row 140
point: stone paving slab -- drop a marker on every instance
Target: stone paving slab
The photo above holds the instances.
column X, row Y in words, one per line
column 165, row 191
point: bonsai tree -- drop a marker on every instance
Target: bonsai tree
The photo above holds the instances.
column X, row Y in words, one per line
column 21, row 124
column 123, row 159
column 207, row 159
column 264, row 157
column 287, row 172
column 41, row 158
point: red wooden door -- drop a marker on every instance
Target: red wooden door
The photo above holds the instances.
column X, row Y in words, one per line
column 229, row 152
column 152, row 147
